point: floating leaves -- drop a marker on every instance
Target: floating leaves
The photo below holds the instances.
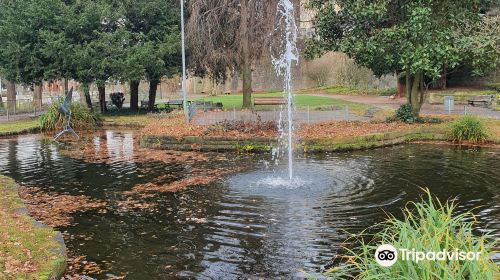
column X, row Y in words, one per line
column 55, row 209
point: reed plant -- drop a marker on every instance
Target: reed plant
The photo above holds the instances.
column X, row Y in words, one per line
column 427, row 226
column 81, row 118
column 468, row 128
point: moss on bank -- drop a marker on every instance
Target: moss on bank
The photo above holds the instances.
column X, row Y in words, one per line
column 27, row 249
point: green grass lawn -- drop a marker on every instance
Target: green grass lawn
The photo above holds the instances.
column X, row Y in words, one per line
column 460, row 95
column 16, row 127
column 301, row 101
column 344, row 90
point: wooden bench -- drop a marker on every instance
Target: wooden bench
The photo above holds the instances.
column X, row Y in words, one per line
column 481, row 99
column 179, row 103
column 269, row 101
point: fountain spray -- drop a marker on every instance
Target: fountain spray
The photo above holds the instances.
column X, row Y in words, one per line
column 283, row 66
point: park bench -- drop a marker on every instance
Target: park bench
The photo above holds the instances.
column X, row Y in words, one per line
column 481, row 99
column 269, row 101
column 179, row 103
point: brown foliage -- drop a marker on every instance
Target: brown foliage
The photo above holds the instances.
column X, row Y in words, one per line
column 178, row 128
column 351, row 129
column 54, row 209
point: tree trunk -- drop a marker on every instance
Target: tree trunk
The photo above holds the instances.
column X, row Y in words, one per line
column 101, row 88
column 246, row 64
column 11, row 95
column 37, row 94
column 400, row 86
column 66, row 86
column 415, row 92
column 134, row 95
column 153, row 86
column 86, row 93
column 441, row 82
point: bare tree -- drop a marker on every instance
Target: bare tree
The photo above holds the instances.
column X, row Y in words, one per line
column 229, row 36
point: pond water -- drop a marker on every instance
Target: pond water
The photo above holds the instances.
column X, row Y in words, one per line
column 248, row 224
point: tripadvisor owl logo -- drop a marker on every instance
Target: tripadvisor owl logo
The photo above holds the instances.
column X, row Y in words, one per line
column 386, row 255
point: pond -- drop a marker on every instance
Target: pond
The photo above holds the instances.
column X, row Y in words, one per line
column 245, row 224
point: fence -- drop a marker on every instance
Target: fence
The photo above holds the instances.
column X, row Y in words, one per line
column 22, row 107
column 302, row 115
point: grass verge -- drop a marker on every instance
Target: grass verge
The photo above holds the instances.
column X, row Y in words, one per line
column 19, row 127
column 27, row 251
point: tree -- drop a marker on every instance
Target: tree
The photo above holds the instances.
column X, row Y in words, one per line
column 97, row 38
column 153, row 44
column 417, row 37
column 30, row 32
column 227, row 35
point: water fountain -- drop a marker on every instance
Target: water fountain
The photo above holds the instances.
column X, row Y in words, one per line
column 283, row 66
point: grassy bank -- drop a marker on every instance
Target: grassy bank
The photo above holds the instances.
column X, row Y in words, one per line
column 33, row 126
column 19, row 127
column 27, row 251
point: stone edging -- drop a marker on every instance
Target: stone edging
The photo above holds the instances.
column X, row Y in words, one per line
column 258, row 145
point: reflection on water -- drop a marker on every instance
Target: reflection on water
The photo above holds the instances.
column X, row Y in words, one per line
column 246, row 225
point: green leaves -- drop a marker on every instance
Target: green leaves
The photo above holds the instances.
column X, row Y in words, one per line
column 411, row 35
column 88, row 40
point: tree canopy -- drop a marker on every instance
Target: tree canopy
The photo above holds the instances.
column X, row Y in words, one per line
column 91, row 41
column 417, row 37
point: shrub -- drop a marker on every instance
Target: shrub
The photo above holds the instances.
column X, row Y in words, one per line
column 81, row 118
column 117, row 98
column 404, row 113
column 468, row 128
column 428, row 226
column 494, row 86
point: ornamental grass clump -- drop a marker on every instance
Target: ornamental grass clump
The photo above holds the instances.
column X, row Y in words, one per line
column 81, row 118
column 427, row 226
column 468, row 128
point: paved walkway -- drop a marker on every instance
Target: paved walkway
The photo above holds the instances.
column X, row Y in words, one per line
column 427, row 109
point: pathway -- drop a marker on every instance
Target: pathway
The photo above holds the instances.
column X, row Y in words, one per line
column 385, row 102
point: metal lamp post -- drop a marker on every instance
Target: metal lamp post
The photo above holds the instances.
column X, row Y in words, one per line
column 186, row 113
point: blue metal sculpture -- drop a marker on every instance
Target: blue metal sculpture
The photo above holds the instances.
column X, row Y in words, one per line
column 64, row 109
